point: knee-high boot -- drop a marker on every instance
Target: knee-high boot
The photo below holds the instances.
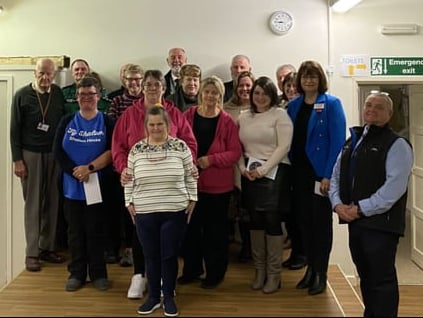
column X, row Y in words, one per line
column 274, row 249
column 258, row 250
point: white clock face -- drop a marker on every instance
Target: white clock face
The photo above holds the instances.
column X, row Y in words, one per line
column 280, row 22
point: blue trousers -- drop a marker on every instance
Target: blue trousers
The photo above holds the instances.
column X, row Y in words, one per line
column 161, row 235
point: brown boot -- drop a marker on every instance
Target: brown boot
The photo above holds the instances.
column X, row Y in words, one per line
column 258, row 251
column 274, row 248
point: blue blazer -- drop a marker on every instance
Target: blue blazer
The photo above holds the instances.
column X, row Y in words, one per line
column 326, row 131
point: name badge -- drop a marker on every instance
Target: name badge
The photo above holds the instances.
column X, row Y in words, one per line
column 320, row 106
column 43, row 127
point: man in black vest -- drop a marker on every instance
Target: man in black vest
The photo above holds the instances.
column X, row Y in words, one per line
column 368, row 191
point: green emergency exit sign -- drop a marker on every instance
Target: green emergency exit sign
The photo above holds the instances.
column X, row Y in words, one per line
column 389, row 66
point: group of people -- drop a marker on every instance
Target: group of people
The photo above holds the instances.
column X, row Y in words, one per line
column 173, row 158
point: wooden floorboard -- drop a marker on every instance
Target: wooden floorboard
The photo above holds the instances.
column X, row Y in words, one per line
column 42, row 294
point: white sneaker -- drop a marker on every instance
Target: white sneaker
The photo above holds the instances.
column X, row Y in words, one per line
column 137, row 288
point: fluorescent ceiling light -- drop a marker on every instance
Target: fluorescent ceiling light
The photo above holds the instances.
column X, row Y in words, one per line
column 344, row 5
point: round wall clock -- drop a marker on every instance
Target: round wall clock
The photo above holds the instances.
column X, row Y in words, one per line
column 280, row 22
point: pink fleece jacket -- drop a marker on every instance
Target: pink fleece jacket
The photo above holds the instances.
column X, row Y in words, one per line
column 223, row 154
column 129, row 129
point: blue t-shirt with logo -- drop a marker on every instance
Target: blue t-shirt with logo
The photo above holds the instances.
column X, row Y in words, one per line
column 84, row 140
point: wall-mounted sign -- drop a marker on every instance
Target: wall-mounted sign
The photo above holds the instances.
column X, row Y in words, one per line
column 394, row 66
column 355, row 65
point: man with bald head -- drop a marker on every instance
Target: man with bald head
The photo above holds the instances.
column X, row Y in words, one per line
column 176, row 59
column 240, row 63
column 36, row 111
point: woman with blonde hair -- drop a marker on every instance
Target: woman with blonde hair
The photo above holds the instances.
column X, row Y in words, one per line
column 218, row 150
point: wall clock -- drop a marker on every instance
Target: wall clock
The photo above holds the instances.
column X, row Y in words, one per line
column 280, row 22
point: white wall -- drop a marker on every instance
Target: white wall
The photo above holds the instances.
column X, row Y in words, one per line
column 110, row 33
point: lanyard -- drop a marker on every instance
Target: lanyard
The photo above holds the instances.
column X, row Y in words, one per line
column 43, row 109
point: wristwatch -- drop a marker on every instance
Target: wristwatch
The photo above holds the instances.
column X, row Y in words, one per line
column 359, row 212
column 91, row 167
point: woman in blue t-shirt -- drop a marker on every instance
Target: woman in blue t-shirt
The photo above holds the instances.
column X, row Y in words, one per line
column 82, row 148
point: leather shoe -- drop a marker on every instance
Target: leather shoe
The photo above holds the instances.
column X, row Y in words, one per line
column 184, row 280
column 51, row 257
column 101, row 284
column 318, row 284
column 73, row 284
column 287, row 263
column 208, row 284
column 297, row 263
column 305, row 282
column 32, row 264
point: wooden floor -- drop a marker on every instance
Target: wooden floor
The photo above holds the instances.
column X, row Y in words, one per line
column 42, row 294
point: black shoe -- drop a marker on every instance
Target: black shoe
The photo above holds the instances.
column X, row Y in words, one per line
column 101, row 284
column 169, row 308
column 297, row 262
column 149, row 306
column 306, row 281
column 73, row 284
column 318, row 284
column 184, row 280
column 210, row 284
column 287, row 263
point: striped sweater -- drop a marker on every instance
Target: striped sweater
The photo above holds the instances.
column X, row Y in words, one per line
column 162, row 177
column 120, row 103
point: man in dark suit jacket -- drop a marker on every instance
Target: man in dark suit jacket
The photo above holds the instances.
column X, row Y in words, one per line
column 176, row 59
column 240, row 63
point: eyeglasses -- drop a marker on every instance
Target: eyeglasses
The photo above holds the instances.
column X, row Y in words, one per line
column 87, row 95
column 130, row 79
column 310, row 77
column 152, row 85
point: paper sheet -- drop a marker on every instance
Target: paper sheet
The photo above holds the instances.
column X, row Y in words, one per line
column 92, row 190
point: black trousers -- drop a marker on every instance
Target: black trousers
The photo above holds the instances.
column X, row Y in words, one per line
column 86, row 239
column 207, row 238
column 314, row 218
column 373, row 253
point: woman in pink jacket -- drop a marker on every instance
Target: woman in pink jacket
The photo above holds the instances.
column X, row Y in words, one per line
column 218, row 150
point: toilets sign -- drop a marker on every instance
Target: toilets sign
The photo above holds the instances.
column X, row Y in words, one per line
column 396, row 66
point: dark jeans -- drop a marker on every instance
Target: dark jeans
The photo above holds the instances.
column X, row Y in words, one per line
column 161, row 234
column 373, row 253
column 86, row 239
column 207, row 238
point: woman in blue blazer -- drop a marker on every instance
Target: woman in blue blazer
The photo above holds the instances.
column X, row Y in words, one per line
column 319, row 134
